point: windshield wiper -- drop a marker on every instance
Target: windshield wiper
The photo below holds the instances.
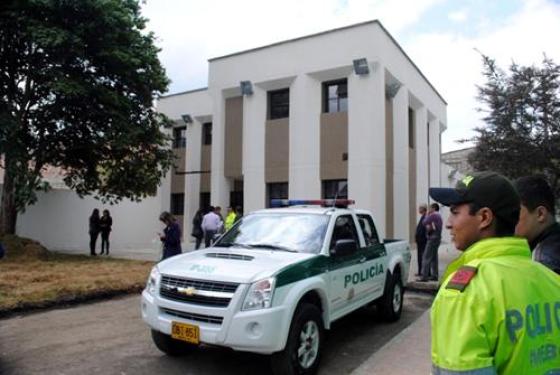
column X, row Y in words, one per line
column 271, row 247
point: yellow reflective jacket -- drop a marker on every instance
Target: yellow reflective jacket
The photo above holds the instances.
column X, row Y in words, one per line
column 506, row 320
column 230, row 220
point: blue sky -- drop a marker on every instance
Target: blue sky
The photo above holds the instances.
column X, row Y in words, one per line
column 439, row 35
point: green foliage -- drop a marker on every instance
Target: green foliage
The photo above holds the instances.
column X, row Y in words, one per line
column 522, row 132
column 78, row 80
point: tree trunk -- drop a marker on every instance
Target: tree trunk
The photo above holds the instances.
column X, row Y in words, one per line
column 8, row 210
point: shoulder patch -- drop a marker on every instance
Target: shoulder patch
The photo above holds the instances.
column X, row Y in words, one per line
column 461, row 278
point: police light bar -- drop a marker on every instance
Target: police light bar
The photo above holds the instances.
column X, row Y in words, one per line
column 340, row 203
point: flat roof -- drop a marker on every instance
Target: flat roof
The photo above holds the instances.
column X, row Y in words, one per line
column 183, row 92
column 332, row 31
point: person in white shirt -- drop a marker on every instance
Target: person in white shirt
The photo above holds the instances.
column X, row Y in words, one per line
column 211, row 224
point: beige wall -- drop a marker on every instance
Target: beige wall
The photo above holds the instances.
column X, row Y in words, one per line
column 205, row 165
column 178, row 180
column 233, row 137
column 277, row 150
column 389, row 167
column 334, row 143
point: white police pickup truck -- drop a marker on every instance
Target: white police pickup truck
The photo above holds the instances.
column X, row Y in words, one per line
column 274, row 282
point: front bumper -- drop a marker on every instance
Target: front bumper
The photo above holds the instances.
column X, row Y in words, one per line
column 259, row 331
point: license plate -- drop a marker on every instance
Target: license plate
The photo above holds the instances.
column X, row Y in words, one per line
column 186, row 332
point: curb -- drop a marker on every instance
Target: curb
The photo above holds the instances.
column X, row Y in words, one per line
column 67, row 301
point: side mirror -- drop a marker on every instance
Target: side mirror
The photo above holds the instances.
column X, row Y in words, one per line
column 344, row 247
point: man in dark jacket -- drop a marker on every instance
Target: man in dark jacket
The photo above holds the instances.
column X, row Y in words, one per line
column 420, row 236
column 537, row 222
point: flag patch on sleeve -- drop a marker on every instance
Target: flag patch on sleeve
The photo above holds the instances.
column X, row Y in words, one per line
column 461, row 278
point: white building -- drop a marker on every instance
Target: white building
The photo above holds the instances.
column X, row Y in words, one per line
column 342, row 108
column 305, row 117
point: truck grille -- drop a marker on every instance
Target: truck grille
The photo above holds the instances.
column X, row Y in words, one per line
column 199, row 292
column 196, row 317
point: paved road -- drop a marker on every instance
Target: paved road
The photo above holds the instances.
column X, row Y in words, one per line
column 110, row 338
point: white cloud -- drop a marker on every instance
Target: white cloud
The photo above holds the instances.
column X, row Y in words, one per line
column 458, row 16
column 454, row 67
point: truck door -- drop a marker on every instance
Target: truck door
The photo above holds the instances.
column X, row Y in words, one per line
column 375, row 254
column 342, row 290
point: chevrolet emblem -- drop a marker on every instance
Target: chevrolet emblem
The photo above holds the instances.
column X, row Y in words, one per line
column 190, row 291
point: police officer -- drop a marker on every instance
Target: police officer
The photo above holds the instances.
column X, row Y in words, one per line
column 497, row 312
column 537, row 222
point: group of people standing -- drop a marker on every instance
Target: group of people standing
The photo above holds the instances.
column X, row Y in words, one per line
column 99, row 225
column 207, row 223
column 428, row 239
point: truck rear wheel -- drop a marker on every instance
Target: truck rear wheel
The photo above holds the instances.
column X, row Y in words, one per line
column 169, row 345
column 303, row 349
column 391, row 303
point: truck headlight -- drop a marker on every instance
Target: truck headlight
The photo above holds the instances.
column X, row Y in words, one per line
column 260, row 295
column 152, row 281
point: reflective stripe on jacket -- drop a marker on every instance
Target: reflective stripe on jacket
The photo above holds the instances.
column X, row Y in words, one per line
column 506, row 320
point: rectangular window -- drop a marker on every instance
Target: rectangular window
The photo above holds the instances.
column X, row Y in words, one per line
column 335, row 188
column 178, row 204
column 368, row 229
column 207, row 133
column 278, row 104
column 335, row 96
column 180, row 137
column 411, row 134
column 204, row 200
column 277, row 190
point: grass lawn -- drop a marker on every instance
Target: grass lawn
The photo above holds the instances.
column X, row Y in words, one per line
column 32, row 277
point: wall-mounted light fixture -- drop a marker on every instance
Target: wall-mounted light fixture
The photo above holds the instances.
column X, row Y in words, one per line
column 391, row 89
column 187, row 119
column 246, row 87
column 361, row 67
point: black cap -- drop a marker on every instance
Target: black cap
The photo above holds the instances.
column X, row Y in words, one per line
column 484, row 189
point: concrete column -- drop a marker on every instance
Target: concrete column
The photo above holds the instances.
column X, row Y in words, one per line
column 192, row 179
column 305, row 158
column 401, row 204
column 219, row 186
column 254, row 119
column 422, row 177
column 435, row 153
column 366, row 143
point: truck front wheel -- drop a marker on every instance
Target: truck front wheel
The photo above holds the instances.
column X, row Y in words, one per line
column 169, row 345
column 305, row 340
column 392, row 301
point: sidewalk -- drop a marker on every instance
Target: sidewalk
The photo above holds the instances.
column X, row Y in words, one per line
column 409, row 351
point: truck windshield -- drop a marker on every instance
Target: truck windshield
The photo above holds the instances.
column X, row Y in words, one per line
column 303, row 233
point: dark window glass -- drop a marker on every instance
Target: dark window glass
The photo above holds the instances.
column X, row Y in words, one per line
column 204, row 200
column 277, row 190
column 180, row 137
column 335, row 96
column 344, row 229
column 207, row 133
column 368, row 228
column 279, row 104
column 178, row 204
column 335, row 188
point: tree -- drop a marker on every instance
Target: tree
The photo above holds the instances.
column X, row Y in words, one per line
column 522, row 132
column 78, row 79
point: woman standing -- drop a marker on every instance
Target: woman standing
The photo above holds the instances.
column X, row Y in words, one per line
column 171, row 236
column 105, row 224
column 93, row 230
